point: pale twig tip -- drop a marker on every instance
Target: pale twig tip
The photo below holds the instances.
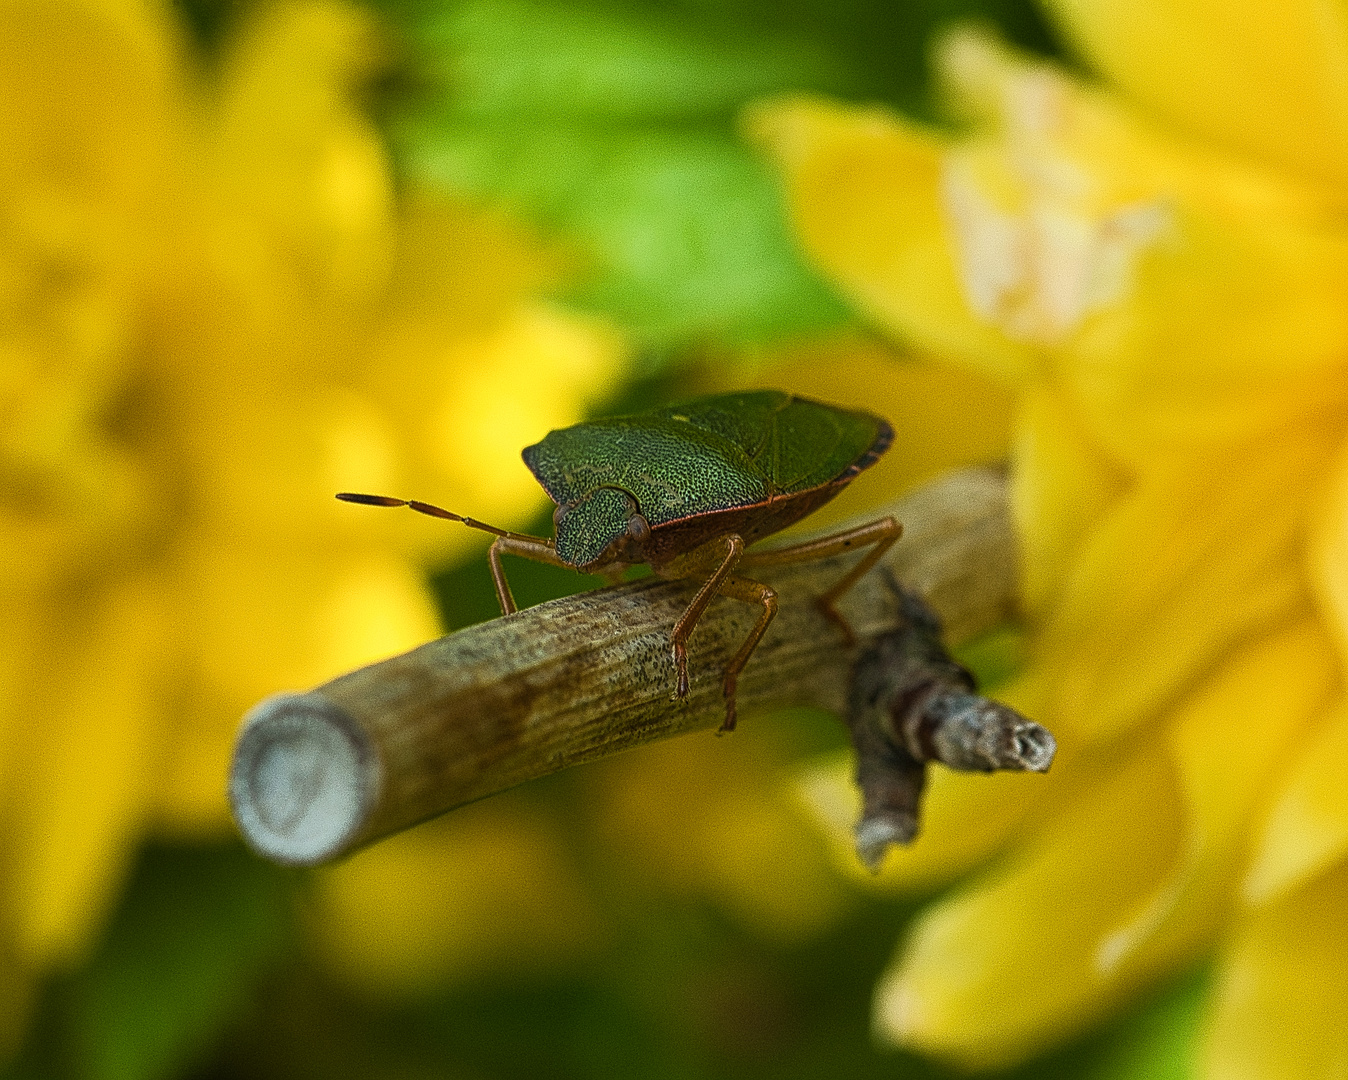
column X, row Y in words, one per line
column 876, row 835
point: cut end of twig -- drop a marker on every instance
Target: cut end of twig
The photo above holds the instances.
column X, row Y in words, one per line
column 304, row 779
column 969, row 732
column 1034, row 745
column 875, row 835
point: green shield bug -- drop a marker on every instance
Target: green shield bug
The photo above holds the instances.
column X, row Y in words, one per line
column 687, row 489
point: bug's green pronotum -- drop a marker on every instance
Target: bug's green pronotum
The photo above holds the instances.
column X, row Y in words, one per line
column 687, row 489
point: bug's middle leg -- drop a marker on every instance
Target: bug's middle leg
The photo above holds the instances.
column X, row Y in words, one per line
column 683, row 629
column 751, row 592
column 878, row 535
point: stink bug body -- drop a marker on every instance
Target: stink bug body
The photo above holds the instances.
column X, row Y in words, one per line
column 686, row 489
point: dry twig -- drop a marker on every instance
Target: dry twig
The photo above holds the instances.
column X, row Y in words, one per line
column 318, row 774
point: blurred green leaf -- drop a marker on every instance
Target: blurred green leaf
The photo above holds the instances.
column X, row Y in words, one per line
column 516, row 59
column 209, row 23
column 615, row 125
column 1155, row 1040
column 194, row 933
column 681, row 228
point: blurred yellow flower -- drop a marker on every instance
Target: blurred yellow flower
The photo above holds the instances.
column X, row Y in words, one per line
column 214, row 313
column 1160, row 270
column 700, row 820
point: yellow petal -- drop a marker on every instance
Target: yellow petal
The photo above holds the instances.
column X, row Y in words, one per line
column 1188, row 300
column 1162, row 587
column 1269, row 80
column 758, row 864
column 88, row 125
column 283, row 255
column 507, row 389
column 1070, row 224
column 467, row 371
column 709, row 818
column 1227, row 740
column 266, row 461
column 1328, row 549
column 460, row 269
column 465, row 400
column 1046, row 233
column 296, row 151
column 1232, row 328
column 1228, row 737
column 89, row 751
column 704, row 819
column 1007, row 965
column 270, row 620
column 1061, row 486
column 483, row 891
column 1097, row 904
column 70, row 502
column 1306, row 828
column 1279, row 1006
column 863, row 187
column 1092, row 149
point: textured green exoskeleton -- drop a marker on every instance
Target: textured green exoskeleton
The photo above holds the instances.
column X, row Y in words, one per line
column 686, row 489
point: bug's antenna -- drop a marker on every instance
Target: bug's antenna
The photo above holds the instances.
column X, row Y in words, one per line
column 431, row 510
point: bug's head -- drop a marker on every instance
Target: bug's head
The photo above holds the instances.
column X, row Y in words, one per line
column 602, row 527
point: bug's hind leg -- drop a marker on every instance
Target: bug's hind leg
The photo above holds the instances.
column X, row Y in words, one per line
column 751, row 592
column 683, row 629
column 878, row 535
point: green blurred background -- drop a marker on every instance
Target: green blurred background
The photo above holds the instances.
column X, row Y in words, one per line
column 669, row 914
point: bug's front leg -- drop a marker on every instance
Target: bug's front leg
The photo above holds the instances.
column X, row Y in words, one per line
column 526, row 547
column 683, row 629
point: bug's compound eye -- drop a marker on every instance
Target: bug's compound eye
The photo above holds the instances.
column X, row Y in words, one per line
column 638, row 528
column 560, row 513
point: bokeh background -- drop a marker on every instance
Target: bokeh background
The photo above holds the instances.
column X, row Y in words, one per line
column 253, row 252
